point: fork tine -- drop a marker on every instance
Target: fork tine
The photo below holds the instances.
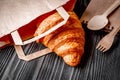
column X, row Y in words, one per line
column 101, row 48
column 105, row 49
column 98, row 46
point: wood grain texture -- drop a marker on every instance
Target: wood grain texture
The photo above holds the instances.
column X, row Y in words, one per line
column 94, row 65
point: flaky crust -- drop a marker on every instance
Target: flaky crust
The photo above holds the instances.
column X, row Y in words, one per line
column 67, row 41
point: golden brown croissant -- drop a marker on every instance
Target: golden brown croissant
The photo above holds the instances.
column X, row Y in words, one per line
column 67, row 41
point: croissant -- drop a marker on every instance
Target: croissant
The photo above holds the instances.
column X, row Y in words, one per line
column 67, row 41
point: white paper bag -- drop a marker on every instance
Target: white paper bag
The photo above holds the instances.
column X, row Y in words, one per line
column 16, row 13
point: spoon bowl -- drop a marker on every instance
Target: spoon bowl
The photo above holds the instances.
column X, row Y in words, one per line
column 97, row 22
column 100, row 21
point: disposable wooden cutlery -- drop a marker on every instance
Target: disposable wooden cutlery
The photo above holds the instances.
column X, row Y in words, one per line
column 100, row 21
column 106, row 42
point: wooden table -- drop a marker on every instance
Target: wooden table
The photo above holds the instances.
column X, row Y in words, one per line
column 94, row 65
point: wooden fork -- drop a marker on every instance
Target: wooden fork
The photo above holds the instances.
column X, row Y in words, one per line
column 106, row 42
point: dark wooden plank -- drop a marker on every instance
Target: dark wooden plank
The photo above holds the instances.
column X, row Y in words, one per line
column 94, row 65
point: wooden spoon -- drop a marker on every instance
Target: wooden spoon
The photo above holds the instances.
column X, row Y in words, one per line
column 100, row 21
